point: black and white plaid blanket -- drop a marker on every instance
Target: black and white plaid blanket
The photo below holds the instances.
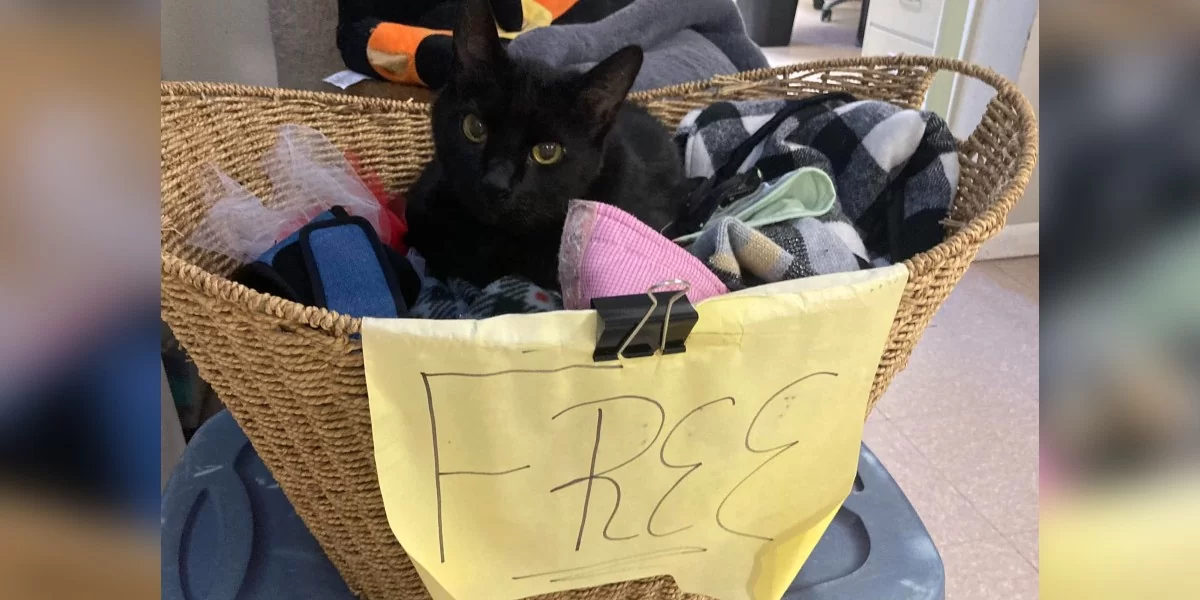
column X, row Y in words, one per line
column 460, row 299
column 896, row 170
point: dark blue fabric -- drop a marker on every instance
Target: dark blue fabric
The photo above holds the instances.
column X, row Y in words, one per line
column 350, row 274
column 336, row 261
column 269, row 256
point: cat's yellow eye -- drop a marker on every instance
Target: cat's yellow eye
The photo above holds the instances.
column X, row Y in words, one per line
column 547, row 153
column 474, row 129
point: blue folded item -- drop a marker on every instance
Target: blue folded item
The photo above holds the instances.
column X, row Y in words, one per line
column 337, row 262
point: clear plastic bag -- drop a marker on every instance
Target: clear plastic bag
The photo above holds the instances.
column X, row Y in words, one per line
column 308, row 174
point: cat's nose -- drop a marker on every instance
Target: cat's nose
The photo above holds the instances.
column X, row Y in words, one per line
column 498, row 178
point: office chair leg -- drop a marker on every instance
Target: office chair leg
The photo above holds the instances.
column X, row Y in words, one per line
column 827, row 8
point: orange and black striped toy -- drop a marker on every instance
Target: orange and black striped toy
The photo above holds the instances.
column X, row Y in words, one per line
column 409, row 41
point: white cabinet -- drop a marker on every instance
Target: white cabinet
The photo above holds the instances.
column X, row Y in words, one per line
column 917, row 20
column 916, row 27
column 882, row 42
column 991, row 33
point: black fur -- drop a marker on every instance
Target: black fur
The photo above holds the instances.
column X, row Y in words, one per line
column 482, row 211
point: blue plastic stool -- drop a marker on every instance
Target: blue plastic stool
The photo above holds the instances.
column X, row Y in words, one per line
column 876, row 547
column 228, row 533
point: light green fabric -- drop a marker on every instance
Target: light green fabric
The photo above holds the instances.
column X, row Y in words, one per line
column 805, row 192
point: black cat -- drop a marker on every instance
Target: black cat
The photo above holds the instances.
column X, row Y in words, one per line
column 515, row 143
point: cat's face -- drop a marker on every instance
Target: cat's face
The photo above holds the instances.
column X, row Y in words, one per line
column 518, row 142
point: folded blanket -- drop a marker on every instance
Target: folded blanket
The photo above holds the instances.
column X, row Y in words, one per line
column 896, row 170
column 682, row 42
column 460, row 299
column 807, row 192
column 742, row 256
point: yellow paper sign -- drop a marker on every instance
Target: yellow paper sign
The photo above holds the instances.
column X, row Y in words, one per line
column 511, row 464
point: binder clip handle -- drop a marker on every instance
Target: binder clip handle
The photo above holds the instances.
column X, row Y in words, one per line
column 656, row 329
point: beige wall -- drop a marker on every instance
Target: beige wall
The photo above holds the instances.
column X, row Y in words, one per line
column 1028, row 208
column 217, row 40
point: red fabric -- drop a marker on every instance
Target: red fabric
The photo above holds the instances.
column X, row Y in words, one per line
column 391, row 209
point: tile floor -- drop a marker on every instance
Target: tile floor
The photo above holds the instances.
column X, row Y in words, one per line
column 815, row 40
column 959, row 431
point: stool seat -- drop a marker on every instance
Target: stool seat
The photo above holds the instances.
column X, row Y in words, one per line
column 876, row 547
column 229, row 533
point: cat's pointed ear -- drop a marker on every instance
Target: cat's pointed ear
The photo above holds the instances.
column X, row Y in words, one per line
column 605, row 86
column 476, row 44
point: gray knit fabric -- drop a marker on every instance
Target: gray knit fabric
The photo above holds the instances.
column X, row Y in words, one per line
column 682, row 41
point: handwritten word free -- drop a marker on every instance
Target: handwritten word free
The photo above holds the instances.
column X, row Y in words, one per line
column 632, row 467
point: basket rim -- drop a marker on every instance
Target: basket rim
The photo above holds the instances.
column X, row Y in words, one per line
column 975, row 231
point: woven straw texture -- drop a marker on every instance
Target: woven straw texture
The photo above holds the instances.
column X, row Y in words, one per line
column 293, row 376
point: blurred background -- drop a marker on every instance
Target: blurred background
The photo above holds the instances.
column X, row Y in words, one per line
column 81, row 383
column 1120, row 433
column 79, row 370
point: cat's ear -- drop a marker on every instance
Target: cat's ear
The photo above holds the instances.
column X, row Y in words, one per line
column 605, row 86
column 476, row 44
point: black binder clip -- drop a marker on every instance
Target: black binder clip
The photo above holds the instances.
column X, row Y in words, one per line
column 640, row 325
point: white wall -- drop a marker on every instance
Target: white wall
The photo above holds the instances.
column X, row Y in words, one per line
column 1027, row 210
column 994, row 26
column 217, row 40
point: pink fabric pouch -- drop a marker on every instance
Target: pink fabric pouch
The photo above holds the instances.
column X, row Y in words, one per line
column 608, row 252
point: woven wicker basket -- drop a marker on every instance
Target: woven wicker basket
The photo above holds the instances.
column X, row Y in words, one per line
column 293, row 375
